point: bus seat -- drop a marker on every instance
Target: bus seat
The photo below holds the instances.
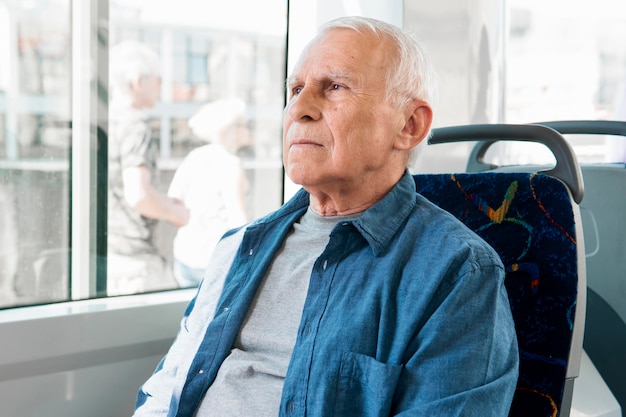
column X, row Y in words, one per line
column 604, row 230
column 532, row 221
column 602, row 211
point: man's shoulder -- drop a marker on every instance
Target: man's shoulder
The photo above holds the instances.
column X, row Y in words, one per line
column 445, row 231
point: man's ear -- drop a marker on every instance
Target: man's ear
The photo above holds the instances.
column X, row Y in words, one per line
column 418, row 119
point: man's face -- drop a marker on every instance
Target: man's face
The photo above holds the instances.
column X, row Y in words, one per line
column 338, row 128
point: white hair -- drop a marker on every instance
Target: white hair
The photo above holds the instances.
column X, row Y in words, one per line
column 412, row 76
column 129, row 60
column 212, row 118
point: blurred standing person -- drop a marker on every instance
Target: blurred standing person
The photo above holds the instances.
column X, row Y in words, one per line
column 135, row 205
column 211, row 182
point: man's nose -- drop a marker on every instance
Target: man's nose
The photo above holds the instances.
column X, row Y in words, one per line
column 305, row 105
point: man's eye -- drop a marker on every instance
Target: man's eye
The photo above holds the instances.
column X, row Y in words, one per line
column 296, row 90
column 335, row 86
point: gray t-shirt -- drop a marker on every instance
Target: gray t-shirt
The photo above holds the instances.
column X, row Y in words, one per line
column 250, row 380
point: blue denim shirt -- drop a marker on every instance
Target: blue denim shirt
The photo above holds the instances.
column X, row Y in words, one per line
column 406, row 314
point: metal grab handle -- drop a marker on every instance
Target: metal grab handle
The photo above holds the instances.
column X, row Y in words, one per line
column 566, row 169
column 591, row 127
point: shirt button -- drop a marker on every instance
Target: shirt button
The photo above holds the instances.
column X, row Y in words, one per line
column 291, row 407
column 325, row 265
column 307, row 331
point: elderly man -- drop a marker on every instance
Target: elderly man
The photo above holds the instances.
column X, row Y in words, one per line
column 358, row 297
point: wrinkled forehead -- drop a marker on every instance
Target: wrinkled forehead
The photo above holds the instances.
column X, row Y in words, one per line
column 346, row 50
column 351, row 41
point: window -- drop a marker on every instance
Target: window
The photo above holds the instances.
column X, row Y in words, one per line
column 565, row 61
column 35, row 126
column 55, row 121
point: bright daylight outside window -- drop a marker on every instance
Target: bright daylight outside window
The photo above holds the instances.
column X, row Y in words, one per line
column 194, row 111
column 35, row 108
column 565, row 60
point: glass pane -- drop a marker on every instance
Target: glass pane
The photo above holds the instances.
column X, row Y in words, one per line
column 566, row 61
column 35, row 91
column 214, row 125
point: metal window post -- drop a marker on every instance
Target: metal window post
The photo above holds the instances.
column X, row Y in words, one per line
column 89, row 174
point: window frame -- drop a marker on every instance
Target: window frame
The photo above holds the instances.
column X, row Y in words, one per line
column 88, row 164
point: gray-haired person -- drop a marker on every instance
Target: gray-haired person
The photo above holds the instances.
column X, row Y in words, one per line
column 358, row 297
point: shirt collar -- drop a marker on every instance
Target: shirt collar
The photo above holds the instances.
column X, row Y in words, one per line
column 380, row 222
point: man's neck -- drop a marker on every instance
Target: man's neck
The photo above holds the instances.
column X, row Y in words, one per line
column 348, row 200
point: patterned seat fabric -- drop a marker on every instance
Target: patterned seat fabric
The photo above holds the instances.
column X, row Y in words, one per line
column 528, row 219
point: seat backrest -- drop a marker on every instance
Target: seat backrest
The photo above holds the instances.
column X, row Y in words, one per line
column 602, row 212
column 528, row 219
column 532, row 221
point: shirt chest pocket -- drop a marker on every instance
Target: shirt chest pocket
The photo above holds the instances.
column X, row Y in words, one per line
column 365, row 387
